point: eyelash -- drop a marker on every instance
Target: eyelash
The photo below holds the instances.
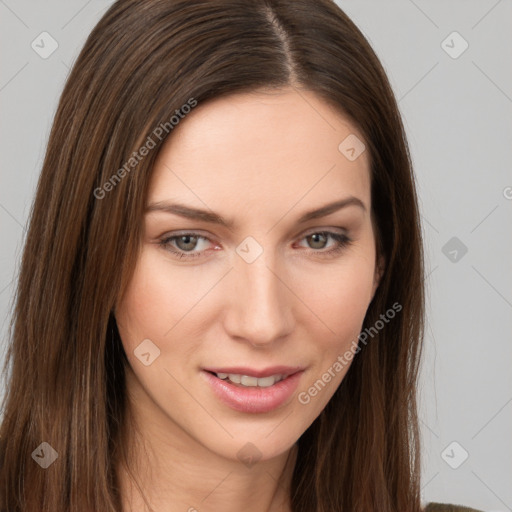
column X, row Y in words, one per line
column 342, row 242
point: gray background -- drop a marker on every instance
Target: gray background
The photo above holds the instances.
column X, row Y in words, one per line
column 457, row 112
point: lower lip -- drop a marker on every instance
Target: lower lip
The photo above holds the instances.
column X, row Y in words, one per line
column 253, row 399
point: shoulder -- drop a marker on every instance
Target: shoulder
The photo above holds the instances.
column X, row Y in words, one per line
column 444, row 507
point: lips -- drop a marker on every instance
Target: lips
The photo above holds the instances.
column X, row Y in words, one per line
column 254, row 399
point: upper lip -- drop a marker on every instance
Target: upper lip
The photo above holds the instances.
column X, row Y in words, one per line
column 254, row 372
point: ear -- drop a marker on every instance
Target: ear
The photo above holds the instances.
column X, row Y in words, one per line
column 380, row 265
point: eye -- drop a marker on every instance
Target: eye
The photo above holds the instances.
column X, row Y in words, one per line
column 184, row 245
column 318, row 240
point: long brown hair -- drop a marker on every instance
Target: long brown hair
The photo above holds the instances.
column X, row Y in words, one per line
column 65, row 364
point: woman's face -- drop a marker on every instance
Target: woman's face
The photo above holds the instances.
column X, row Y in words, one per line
column 274, row 290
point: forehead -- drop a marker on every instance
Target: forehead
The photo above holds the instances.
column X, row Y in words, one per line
column 261, row 150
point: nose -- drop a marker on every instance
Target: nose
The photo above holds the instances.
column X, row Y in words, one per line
column 260, row 309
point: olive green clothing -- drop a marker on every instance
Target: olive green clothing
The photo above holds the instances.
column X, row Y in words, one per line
column 442, row 507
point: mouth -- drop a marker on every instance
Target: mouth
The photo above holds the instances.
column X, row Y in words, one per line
column 253, row 391
column 248, row 381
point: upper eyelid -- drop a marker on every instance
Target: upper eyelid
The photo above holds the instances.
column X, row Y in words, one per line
column 200, row 235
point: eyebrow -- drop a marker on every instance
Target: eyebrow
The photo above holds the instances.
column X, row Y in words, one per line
column 214, row 218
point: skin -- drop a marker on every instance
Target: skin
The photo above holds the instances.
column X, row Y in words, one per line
column 261, row 159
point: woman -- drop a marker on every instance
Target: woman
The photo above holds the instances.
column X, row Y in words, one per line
column 220, row 303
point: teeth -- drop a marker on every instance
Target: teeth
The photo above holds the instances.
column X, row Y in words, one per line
column 234, row 378
column 266, row 382
column 248, row 381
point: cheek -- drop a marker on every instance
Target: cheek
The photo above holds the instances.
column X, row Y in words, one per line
column 152, row 303
column 339, row 296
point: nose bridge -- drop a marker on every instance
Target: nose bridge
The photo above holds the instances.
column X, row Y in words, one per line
column 259, row 309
